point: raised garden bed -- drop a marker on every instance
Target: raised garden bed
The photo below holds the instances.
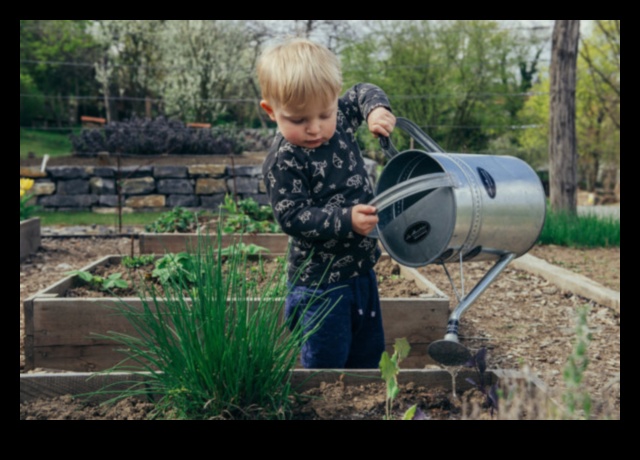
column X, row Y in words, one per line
column 320, row 395
column 60, row 330
column 29, row 237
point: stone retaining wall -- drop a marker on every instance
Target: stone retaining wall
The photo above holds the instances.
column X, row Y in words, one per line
column 146, row 188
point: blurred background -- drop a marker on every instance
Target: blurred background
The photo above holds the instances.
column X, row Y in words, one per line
column 478, row 86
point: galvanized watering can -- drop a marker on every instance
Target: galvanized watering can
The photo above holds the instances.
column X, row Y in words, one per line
column 437, row 207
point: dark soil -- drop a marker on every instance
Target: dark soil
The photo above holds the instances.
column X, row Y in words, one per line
column 391, row 282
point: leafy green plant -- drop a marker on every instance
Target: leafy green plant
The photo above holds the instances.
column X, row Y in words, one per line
column 178, row 220
column 26, row 209
column 221, row 350
column 251, row 208
column 138, row 261
column 390, row 368
column 490, row 392
column 111, row 282
column 174, row 266
column 247, row 216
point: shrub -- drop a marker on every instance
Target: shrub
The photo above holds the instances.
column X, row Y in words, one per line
column 142, row 136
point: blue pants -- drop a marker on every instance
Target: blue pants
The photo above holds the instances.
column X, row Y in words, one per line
column 351, row 336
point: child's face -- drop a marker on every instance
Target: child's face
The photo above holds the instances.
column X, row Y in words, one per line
column 309, row 127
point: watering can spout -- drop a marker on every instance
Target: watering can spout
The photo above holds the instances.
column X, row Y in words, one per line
column 449, row 351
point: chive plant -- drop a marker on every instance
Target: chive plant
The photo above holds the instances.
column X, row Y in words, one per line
column 212, row 346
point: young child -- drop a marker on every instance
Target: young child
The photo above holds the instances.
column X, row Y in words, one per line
column 319, row 189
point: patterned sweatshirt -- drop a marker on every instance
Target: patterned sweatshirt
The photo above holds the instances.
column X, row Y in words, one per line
column 312, row 192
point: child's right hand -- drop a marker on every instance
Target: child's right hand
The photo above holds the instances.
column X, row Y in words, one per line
column 364, row 218
column 381, row 122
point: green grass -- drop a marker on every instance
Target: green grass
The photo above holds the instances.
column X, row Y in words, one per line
column 586, row 231
column 69, row 218
column 53, row 143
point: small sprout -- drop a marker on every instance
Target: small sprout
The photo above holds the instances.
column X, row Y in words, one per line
column 390, row 368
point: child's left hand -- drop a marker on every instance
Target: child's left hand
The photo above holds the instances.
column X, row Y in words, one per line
column 381, row 122
column 364, row 219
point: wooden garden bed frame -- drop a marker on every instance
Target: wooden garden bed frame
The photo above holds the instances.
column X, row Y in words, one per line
column 30, row 238
column 60, row 332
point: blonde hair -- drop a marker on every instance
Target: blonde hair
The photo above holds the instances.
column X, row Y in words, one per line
column 298, row 71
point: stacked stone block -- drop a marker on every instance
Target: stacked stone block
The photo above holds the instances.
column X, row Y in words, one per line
column 146, row 187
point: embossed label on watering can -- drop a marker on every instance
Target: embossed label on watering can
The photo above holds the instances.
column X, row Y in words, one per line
column 488, row 182
column 417, row 232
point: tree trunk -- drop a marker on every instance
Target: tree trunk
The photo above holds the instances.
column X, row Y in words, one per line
column 562, row 112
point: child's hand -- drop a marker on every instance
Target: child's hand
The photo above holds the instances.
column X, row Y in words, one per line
column 381, row 122
column 363, row 219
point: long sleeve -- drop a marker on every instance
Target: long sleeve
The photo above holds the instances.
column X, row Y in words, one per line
column 313, row 191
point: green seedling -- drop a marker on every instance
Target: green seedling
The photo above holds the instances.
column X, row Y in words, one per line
column 171, row 266
column 113, row 281
column 390, row 368
column 247, row 216
column 137, row 261
column 178, row 220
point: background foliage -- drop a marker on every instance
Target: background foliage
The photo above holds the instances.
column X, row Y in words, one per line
column 473, row 85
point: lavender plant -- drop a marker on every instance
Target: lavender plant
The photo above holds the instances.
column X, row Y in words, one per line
column 490, row 392
column 143, row 136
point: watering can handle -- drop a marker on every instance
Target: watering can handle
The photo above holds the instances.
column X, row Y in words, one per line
column 414, row 130
column 411, row 187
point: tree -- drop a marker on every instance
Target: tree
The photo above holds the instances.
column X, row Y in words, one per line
column 129, row 66
column 332, row 33
column 55, row 69
column 597, row 133
column 601, row 54
column 562, row 110
column 462, row 81
column 210, row 62
column 598, row 104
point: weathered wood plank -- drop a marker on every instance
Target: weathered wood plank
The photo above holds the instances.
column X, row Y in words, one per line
column 30, row 239
column 50, row 385
column 47, row 385
column 159, row 243
column 63, row 333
